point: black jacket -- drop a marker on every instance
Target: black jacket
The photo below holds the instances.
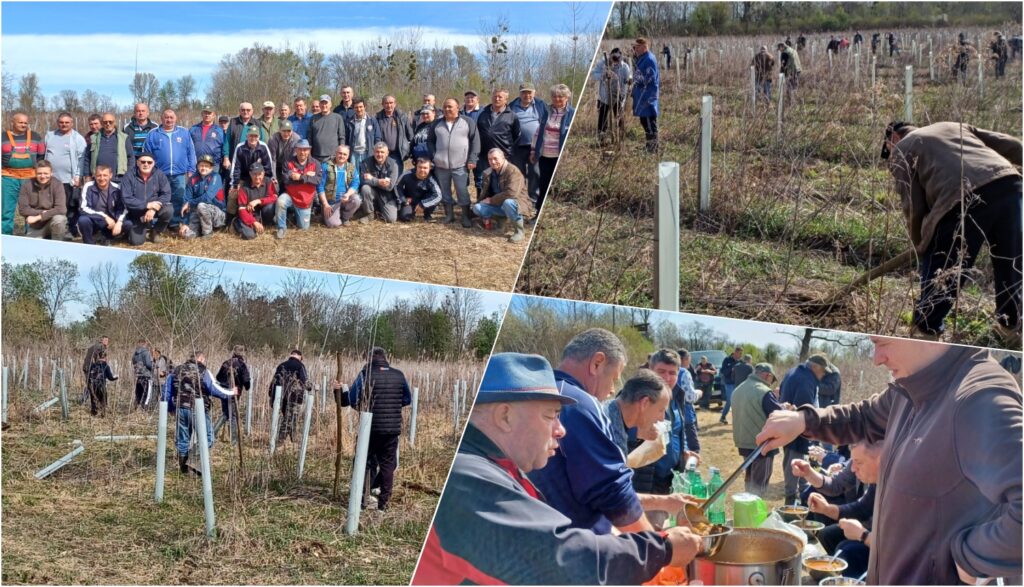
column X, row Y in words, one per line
column 291, row 376
column 497, row 130
column 382, row 390
column 242, row 379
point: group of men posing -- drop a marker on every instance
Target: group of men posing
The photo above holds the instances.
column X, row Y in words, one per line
column 541, row 473
column 252, row 172
column 378, row 388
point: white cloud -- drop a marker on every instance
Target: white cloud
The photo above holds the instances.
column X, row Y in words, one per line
column 108, row 59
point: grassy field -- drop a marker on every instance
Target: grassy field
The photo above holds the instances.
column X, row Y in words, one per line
column 95, row 521
column 794, row 215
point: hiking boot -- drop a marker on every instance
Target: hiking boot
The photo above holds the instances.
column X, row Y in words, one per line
column 156, row 237
column 365, row 219
column 466, row 221
column 185, row 469
column 519, row 234
column 280, row 233
column 449, row 213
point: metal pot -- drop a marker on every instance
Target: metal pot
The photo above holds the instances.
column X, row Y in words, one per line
column 751, row 556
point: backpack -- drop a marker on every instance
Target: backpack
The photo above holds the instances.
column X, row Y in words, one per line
column 187, row 380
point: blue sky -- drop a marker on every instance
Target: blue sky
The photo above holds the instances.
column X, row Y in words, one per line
column 19, row 250
column 96, row 44
column 741, row 331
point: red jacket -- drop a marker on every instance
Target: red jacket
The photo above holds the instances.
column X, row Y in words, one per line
column 247, row 193
column 303, row 189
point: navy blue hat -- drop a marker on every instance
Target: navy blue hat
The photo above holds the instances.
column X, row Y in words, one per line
column 515, row 377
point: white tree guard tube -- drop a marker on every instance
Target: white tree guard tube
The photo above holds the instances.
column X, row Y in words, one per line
column 204, row 456
column 275, row 418
column 59, row 463
column 415, row 412
column 355, row 492
column 161, row 452
column 310, row 400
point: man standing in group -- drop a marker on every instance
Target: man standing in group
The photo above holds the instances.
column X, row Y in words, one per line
column 753, row 401
column 789, row 65
column 90, row 357
column 250, row 152
column 614, row 77
column 233, row 374
column 513, row 431
column 146, row 194
column 268, row 122
column 646, row 90
column 171, row 147
column 471, row 108
column 800, row 387
column 395, row 131
column 142, row 365
column 504, row 194
column 728, row 381
column 291, row 381
column 361, row 132
column 20, row 149
column 64, row 150
column 383, row 391
column 764, row 68
column 950, row 424
column 379, row 176
column 498, row 127
column 188, row 383
column 238, row 131
column 326, row 131
column 207, row 136
column 139, row 127
column 346, row 108
column 94, row 127
column 111, row 147
column 300, row 119
column 453, row 144
column 530, row 111
column 960, row 188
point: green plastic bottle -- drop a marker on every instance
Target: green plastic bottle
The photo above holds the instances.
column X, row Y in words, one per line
column 716, row 511
column 697, row 487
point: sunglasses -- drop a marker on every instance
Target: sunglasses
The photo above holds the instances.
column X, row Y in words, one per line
column 145, row 162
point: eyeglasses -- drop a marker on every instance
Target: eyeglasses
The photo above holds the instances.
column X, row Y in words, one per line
column 145, row 162
column 108, row 122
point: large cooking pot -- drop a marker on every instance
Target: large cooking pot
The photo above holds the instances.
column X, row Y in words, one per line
column 751, row 556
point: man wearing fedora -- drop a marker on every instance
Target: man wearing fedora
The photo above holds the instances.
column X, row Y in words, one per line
column 514, row 429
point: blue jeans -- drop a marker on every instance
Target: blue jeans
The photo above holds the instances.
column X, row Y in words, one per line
column 357, row 160
column 765, row 89
column 509, row 209
column 460, row 176
column 729, row 387
column 177, row 197
column 184, row 430
column 284, row 201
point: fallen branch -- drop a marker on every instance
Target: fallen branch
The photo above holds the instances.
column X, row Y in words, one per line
column 836, row 298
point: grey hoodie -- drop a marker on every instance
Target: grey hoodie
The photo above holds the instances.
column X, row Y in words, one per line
column 453, row 148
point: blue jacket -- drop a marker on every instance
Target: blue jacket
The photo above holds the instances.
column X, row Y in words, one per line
column 799, row 387
column 208, row 190
column 562, row 130
column 212, row 144
column 301, row 127
column 587, row 479
column 646, row 86
column 209, row 387
column 174, row 152
column 136, row 193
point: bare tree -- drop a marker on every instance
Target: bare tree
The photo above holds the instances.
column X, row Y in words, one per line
column 106, row 289
column 69, row 101
column 144, row 88
column 8, row 97
column 59, row 286
column 464, row 307
column 186, row 91
column 30, row 96
column 304, row 294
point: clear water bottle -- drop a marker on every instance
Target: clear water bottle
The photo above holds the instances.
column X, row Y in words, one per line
column 716, row 511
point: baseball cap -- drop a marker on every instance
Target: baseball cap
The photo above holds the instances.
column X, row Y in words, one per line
column 303, row 144
column 325, row 98
column 268, row 104
column 253, row 131
column 821, row 360
column 527, row 87
column 470, row 93
column 208, row 109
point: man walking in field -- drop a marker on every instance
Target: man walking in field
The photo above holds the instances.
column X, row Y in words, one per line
column 763, row 64
column 646, row 89
column 960, row 188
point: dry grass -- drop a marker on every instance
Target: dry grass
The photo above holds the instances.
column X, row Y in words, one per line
column 95, row 521
column 416, row 251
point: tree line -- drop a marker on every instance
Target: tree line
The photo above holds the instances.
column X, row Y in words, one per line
column 174, row 303
column 677, row 19
column 405, row 68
